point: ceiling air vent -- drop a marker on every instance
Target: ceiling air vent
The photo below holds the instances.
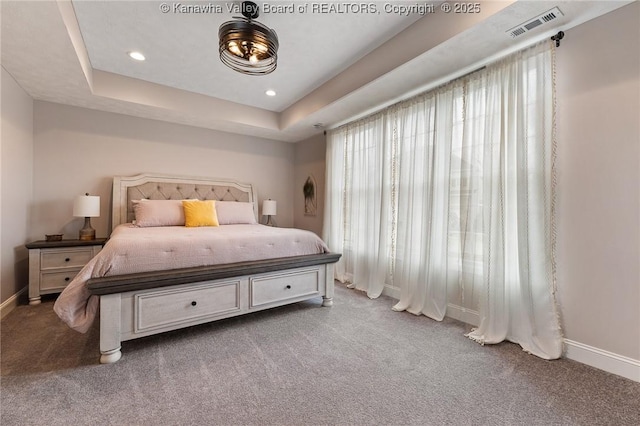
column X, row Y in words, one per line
column 547, row 16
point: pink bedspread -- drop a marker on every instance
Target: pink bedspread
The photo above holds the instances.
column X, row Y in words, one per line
column 131, row 249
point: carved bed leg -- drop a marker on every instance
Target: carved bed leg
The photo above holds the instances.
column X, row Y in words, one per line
column 109, row 357
column 327, row 299
column 110, row 328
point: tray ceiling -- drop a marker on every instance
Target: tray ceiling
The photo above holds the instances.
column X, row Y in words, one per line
column 331, row 66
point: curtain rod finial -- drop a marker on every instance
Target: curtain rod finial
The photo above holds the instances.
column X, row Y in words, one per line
column 558, row 37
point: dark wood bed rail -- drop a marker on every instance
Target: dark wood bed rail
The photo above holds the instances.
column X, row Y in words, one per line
column 155, row 279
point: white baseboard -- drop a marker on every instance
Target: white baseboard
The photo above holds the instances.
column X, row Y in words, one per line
column 393, row 292
column 585, row 354
column 603, row 360
column 456, row 312
column 468, row 316
column 9, row 304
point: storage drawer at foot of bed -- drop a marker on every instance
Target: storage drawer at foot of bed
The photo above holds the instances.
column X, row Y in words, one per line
column 172, row 307
column 273, row 289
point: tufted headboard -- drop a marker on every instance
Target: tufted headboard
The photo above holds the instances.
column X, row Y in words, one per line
column 167, row 187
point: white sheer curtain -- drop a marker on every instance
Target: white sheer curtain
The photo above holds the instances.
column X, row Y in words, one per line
column 424, row 132
column 510, row 108
column 357, row 213
column 454, row 189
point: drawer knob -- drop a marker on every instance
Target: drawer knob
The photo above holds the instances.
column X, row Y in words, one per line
column 67, row 278
column 194, row 303
column 288, row 287
column 67, row 259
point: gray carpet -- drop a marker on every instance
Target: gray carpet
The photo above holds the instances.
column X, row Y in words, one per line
column 355, row 363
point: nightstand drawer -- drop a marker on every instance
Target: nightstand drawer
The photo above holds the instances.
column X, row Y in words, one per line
column 50, row 281
column 65, row 258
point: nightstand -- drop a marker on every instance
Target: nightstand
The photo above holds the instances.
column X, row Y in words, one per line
column 53, row 264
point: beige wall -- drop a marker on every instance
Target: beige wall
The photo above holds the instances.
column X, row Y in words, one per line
column 599, row 182
column 310, row 160
column 16, row 151
column 78, row 150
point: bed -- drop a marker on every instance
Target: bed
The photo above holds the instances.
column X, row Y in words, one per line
column 271, row 267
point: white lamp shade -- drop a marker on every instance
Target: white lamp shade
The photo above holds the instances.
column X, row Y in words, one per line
column 269, row 208
column 86, row 206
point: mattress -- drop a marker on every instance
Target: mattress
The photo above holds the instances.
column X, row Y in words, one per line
column 131, row 249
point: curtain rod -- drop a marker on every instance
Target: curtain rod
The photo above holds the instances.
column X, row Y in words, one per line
column 559, row 36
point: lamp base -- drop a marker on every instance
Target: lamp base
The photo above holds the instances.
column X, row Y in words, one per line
column 270, row 221
column 87, row 233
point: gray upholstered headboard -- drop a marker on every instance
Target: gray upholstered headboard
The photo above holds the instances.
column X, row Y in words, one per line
column 166, row 187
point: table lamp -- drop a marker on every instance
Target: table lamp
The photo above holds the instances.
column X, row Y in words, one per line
column 87, row 206
column 269, row 209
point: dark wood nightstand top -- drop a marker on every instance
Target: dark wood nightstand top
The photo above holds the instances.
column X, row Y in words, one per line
column 42, row 244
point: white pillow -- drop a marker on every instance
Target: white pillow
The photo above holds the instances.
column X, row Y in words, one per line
column 235, row 212
column 158, row 213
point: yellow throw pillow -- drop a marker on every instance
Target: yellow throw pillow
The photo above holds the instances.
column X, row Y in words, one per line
column 200, row 213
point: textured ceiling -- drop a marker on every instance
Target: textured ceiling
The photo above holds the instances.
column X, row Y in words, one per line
column 332, row 66
column 314, row 47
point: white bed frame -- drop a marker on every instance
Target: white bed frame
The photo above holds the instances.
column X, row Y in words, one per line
column 138, row 305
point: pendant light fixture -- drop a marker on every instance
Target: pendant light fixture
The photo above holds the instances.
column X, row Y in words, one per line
column 247, row 46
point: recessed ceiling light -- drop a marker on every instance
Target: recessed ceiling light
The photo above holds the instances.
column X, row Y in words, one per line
column 137, row 56
column 270, row 92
